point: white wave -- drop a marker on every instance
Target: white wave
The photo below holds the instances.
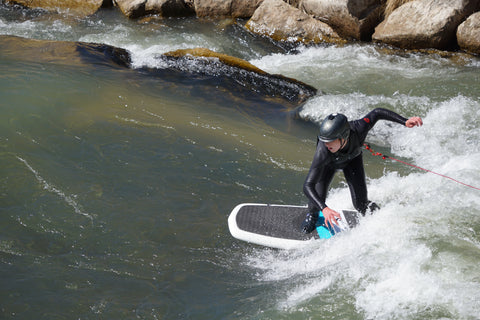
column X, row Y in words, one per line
column 316, row 64
column 418, row 255
column 393, row 265
column 355, row 105
column 447, row 143
column 451, row 129
column 23, row 29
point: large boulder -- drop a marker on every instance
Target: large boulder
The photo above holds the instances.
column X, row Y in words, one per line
column 281, row 21
column 228, row 69
column 391, row 5
column 76, row 7
column 424, row 24
column 294, row 3
column 349, row 18
column 468, row 34
column 165, row 8
column 226, row 8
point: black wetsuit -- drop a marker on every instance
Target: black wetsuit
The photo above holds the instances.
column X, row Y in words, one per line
column 349, row 159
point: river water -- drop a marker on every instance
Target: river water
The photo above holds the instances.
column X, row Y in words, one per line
column 116, row 184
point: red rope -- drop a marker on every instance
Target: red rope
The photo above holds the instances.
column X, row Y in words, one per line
column 414, row 166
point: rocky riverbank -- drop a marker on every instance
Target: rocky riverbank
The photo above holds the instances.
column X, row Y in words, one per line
column 408, row 24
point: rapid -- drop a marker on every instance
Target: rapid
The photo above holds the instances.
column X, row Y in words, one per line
column 116, row 185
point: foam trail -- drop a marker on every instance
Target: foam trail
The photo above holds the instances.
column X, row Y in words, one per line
column 47, row 186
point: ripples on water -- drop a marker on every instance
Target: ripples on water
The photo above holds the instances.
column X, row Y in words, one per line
column 116, row 184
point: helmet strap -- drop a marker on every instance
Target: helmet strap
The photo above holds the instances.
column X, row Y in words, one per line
column 344, row 143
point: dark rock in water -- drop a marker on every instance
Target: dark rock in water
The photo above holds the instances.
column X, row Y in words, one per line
column 232, row 75
column 110, row 54
column 64, row 52
column 204, row 62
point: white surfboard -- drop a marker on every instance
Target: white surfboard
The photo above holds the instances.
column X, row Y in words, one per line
column 279, row 226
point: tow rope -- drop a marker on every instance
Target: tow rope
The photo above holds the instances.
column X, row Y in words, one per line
column 378, row 154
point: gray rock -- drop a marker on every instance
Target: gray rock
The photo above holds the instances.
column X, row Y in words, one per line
column 226, row 8
column 165, row 8
column 424, row 24
column 349, row 18
column 280, row 21
column 468, row 34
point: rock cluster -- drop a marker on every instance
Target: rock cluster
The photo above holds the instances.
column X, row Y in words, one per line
column 410, row 24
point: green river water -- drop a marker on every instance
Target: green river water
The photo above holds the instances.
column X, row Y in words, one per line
column 116, row 183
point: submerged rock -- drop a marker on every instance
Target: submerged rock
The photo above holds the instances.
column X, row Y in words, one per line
column 468, row 34
column 233, row 75
column 201, row 61
column 281, row 21
column 224, row 58
column 64, row 52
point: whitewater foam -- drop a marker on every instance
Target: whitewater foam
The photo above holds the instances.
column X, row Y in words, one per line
column 418, row 254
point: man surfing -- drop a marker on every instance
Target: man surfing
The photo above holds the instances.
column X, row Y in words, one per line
column 339, row 147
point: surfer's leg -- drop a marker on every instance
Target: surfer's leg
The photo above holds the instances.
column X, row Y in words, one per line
column 355, row 176
column 308, row 225
column 324, row 182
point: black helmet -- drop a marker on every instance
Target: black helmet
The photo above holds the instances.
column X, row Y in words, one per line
column 334, row 127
